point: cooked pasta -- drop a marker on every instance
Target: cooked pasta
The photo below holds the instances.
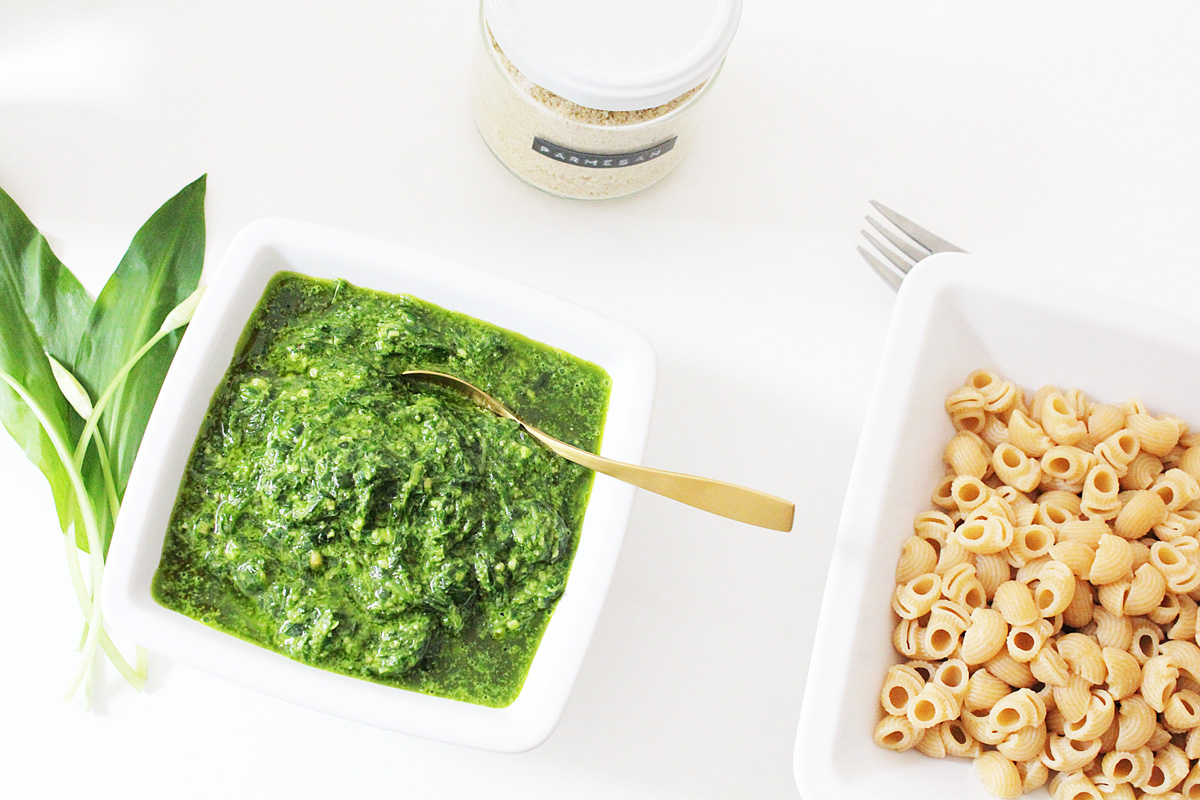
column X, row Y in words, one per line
column 976, row 725
column 1124, row 673
column 1142, row 471
column 1171, row 766
column 1067, row 754
column 1099, row 499
column 1027, row 435
column 1049, row 667
column 897, row 733
column 1014, row 600
column 1128, row 766
column 986, row 636
column 999, row 395
column 1178, row 524
column 1034, row 774
column 967, row 455
column 957, row 742
column 1184, row 626
column 1055, row 589
column 968, row 491
column 1183, row 655
column 1114, row 560
column 1140, row 514
column 1182, row 712
column 1189, row 789
column 1023, row 744
column 1025, row 641
column 1029, row 542
column 1077, row 556
column 941, row 495
column 1104, row 420
column 1113, row 631
column 1085, row 531
column 1072, row 698
column 1080, row 609
column 916, row 598
column 1016, row 468
column 952, row 676
column 908, row 637
column 998, row 774
column 917, row 556
column 960, row 584
column 984, row 690
column 1018, row 710
column 1189, row 460
column 1065, row 467
column 992, row 570
column 1101, row 709
column 1167, row 611
column 900, row 688
column 1046, row 603
column 947, row 622
column 1015, row 673
column 1176, row 488
column 933, row 526
column 952, row 554
column 965, row 408
column 1158, row 681
column 932, row 705
column 1059, row 419
column 1156, row 435
column 1118, row 450
column 1083, row 655
column 1137, row 723
column 1143, row 644
column 1146, row 592
column 931, row 744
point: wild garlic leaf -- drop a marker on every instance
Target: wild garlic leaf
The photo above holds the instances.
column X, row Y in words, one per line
column 182, row 314
column 159, row 271
column 71, row 388
column 43, row 309
column 51, row 296
column 23, row 359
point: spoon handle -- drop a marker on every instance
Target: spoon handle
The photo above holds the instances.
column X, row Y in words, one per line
column 716, row 497
column 724, row 499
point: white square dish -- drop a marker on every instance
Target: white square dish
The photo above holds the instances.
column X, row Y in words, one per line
column 955, row 313
column 257, row 253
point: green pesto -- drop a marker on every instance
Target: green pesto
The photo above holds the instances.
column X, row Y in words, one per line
column 382, row 528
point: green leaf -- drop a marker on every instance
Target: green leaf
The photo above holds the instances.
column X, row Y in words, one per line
column 182, row 314
column 43, row 309
column 71, row 388
column 158, row 272
column 53, row 300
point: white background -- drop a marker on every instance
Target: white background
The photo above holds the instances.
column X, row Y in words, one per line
column 1061, row 136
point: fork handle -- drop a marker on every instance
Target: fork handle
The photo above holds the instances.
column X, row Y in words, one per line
column 716, row 497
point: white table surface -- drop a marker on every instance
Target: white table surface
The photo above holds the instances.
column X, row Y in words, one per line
column 1061, row 136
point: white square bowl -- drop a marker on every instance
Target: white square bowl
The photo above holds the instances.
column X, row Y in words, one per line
column 256, row 254
column 954, row 314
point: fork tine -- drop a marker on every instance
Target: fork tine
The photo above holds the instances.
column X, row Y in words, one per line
column 902, row 245
column 890, row 275
column 891, row 255
column 929, row 241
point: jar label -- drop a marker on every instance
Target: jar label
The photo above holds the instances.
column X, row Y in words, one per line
column 601, row 160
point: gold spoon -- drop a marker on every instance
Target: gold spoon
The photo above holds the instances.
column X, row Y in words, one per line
column 725, row 499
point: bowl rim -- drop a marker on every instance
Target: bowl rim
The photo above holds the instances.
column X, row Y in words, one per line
column 257, row 252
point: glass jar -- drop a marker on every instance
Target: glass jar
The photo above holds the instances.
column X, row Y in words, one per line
column 596, row 99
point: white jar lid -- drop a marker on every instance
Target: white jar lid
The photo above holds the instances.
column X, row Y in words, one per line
column 615, row 55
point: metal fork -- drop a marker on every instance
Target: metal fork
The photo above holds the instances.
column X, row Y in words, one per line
column 897, row 265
